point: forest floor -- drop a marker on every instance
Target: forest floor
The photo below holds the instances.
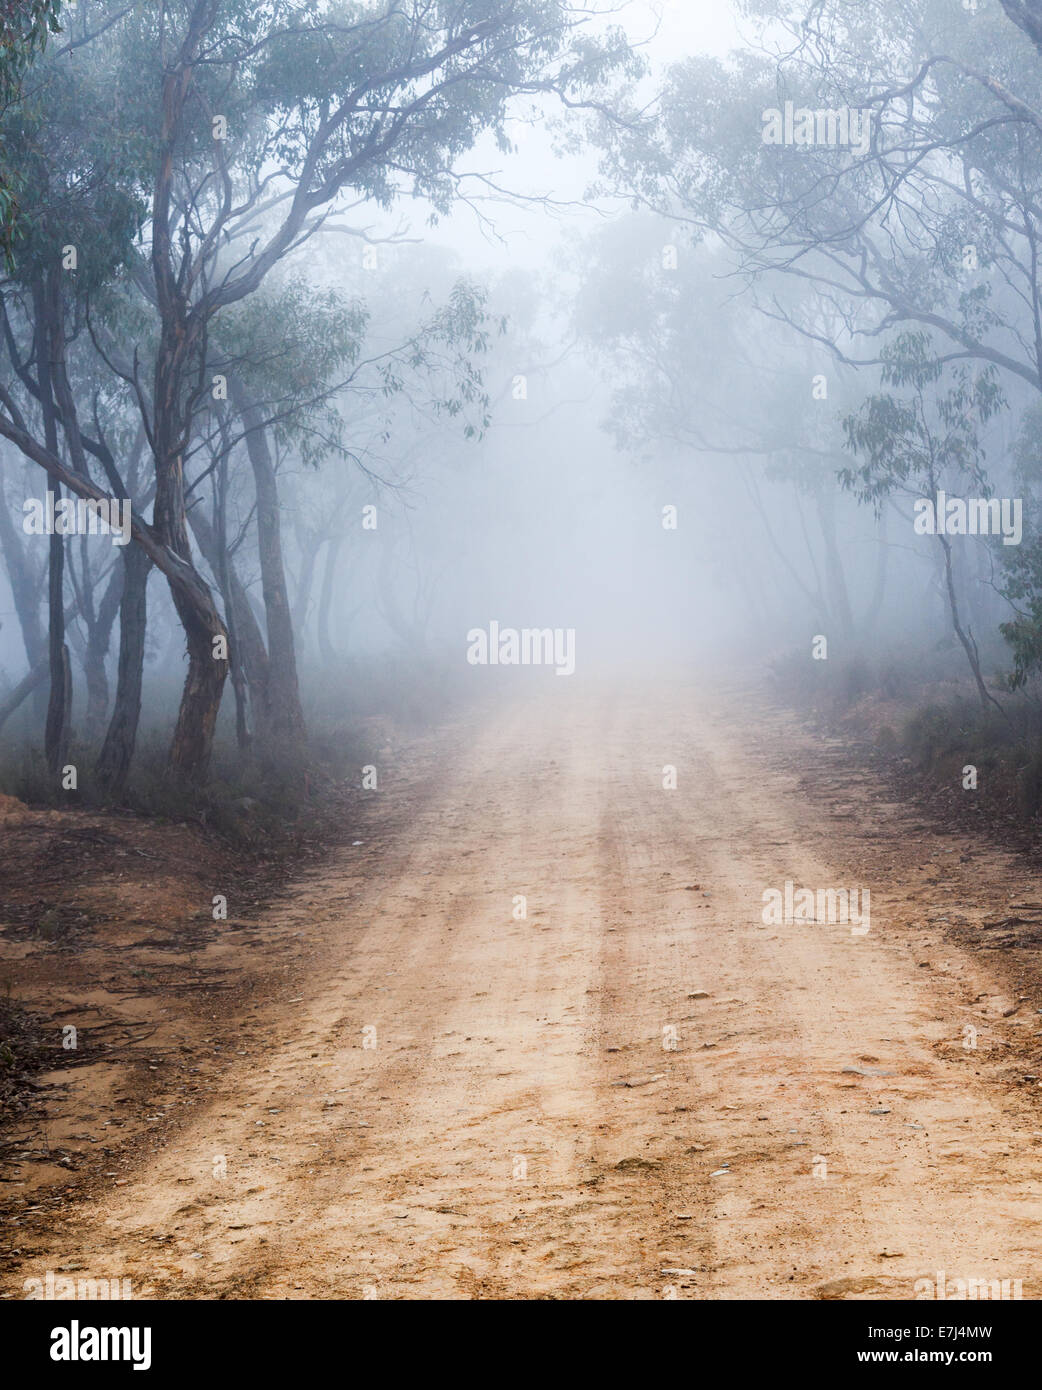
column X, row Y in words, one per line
column 384, row 1084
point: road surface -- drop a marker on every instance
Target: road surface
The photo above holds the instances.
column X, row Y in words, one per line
column 637, row 1090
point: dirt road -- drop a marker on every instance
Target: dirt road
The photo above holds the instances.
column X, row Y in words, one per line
column 638, row 1090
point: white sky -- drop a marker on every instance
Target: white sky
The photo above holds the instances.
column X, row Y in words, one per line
column 684, row 27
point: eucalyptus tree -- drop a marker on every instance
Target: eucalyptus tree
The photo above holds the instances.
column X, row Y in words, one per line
column 71, row 198
column 25, row 28
column 922, row 440
column 251, row 123
column 299, row 398
column 885, row 156
column 874, row 152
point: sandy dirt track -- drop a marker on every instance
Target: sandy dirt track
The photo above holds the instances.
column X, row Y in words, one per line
column 520, row 1130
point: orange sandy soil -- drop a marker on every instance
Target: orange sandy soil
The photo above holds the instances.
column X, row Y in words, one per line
column 380, row 1083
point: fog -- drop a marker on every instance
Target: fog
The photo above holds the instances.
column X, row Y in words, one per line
column 658, row 355
column 520, row 663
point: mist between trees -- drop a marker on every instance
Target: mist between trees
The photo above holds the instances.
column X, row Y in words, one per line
column 288, row 307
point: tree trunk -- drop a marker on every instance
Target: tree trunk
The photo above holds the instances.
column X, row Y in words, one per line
column 206, row 637
column 249, row 652
column 969, row 646
column 59, row 703
column 287, row 716
column 25, row 687
column 178, row 357
column 34, row 680
column 24, row 585
column 99, row 636
column 193, row 738
column 24, row 580
column 117, row 752
column 206, row 642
